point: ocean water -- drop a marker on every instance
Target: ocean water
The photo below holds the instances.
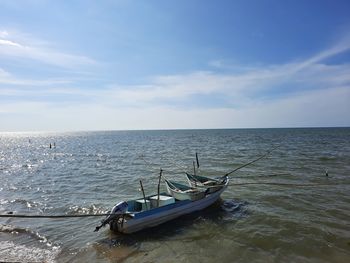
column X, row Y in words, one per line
column 273, row 211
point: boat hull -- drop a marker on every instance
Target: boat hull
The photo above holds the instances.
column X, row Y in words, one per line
column 164, row 214
column 210, row 187
column 181, row 195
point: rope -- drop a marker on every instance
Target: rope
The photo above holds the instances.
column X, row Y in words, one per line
column 287, row 184
column 55, row 216
column 261, row 175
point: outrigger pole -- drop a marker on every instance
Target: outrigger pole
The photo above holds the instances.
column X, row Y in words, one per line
column 244, row 165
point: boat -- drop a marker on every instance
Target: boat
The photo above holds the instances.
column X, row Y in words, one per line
column 210, row 184
column 135, row 215
column 184, row 192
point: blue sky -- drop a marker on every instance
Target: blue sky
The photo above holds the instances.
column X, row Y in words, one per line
column 110, row 65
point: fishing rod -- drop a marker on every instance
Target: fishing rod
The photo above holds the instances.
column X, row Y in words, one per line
column 244, row 165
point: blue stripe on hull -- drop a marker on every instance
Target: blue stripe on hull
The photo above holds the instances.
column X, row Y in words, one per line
column 161, row 209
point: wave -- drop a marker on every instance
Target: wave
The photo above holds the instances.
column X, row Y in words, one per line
column 234, row 208
column 28, row 204
column 11, row 252
column 25, row 231
column 92, row 209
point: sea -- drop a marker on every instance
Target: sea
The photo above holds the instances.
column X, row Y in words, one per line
column 291, row 206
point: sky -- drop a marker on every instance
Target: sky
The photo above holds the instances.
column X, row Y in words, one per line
column 184, row 64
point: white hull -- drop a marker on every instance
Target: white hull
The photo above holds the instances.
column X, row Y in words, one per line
column 211, row 187
column 153, row 219
column 202, row 186
column 194, row 196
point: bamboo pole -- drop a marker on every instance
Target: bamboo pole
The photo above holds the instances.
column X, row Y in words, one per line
column 160, row 176
column 197, row 160
column 144, row 197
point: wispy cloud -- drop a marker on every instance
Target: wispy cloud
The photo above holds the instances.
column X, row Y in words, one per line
column 309, row 73
column 340, row 47
column 9, row 79
column 3, row 33
column 309, row 91
column 16, row 45
column 307, row 109
column 235, row 90
column 5, row 42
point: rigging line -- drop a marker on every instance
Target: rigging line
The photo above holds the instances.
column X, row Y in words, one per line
column 151, row 168
column 143, row 159
column 244, row 165
column 181, row 167
column 150, row 165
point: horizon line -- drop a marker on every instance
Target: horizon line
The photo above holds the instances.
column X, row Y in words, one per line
column 178, row 129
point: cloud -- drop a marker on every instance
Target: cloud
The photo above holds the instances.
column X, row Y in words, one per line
column 239, row 89
column 342, row 46
column 305, row 92
column 327, row 107
column 15, row 46
column 4, row 33
column 8, row 79
column 9, row 43
column 236, row 89
column 282, row 79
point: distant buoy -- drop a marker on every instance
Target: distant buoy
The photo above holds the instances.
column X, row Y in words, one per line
column 327, row 173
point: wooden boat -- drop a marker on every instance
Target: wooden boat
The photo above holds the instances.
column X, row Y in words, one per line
column 148, row 212
column 184, row 192
column 202, row 182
